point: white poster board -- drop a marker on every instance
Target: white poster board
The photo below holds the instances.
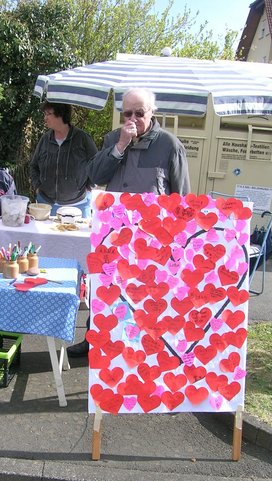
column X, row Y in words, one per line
column 169, row 303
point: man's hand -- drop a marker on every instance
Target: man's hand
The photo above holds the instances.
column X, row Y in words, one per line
column 128, row 132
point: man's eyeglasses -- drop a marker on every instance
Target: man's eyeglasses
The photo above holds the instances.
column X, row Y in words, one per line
column 138, row 113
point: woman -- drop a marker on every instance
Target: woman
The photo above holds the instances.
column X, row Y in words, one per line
column 59, row 166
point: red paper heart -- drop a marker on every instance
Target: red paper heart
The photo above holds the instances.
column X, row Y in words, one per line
column 148, row 403
column 121, row 238
column 96, row 392
column 113, row 349
column 219, row 342
column 143, row 251
column 194, row 373
column 191, row 278
column 237, row 338
column 237, row 296
column 186, row 214
column 133, row 386
column 174, row 382
column 157, row 330
column 174, row 227
column 94, row 263
column 36, row 281
column 197, row 202
column 97, row 338
column 174, row 325
column 214, row 381
column 214, row 294
column 111, row 377
column 111, row 402
column 200, row 318
column 163, row 236
column 152, row 346
column 205, row 354
column 148, row 275
column 97, row 360
column 136, row 293
column 196, row 395
column 244, row 213
column 105, row 322
column 144, row 320
column 229, row 364
column 127, row 271
column 183, row 306
column 131, row 201
column 169, row 202
column 133, row 358
column 214, row 253
column 108, row 294
column 24, row 286
column 150, row 226
column 157, row 291
column 148, row 373
column 193, row 333
column 161, row 255
column 172, row 400
column 229, row 391
column 149, row 211
column 233, row 319
column 202, row 264
column 228, row 206
column 206, row 221
column 107, row 255
column 197, row 298
column 226, row 276
column 155, row 307
column 104, row 201
column 167, row 362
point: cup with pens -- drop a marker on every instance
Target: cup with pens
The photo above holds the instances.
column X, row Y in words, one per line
column 14, row 260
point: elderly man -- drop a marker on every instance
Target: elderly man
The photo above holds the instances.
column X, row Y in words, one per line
column 141, row 156
column 138, row 157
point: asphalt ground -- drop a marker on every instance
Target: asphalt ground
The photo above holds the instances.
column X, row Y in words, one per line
column 42, row 441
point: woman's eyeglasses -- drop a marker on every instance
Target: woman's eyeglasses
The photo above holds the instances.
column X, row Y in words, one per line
column 138, row 113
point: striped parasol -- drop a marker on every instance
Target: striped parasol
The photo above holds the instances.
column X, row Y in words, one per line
column 182, row 85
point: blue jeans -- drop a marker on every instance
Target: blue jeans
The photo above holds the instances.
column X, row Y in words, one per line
column 85, row 206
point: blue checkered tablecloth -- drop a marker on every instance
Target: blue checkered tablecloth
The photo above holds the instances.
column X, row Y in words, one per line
column 48, row 310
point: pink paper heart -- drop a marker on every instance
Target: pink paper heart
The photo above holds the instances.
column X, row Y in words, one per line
column 106, row 280
column 118, row 210
column 230, row 263
column 189, row 254
column 237, row 252
column 216, row 324
column 129, row 402
column 177, row 253
column 229, row 234
column 216, row 402
column 125, row 251
column 121, row 282
column 120, row 311
column 182, row 345
column 149, row 198
column 181, row 239
column 116, row 223
column 132, row 331
column 197, row 243
column 239, row 373
column 182, row 292
column 97, row 306
column 222, row 217
column 142, row 263
column 104, row 216
column 109, row 269
column 173, row 282
column 173, row 267
column 242, row 239
column 211, row 278
column 96, row 239
column 188, row 358
column 191, row 226
column 159, row 390
column 104, row 230
column 160, row 276
column 240, row 224
column 211, row 236
column 242, row 268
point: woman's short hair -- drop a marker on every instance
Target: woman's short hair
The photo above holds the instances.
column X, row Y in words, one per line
column 60, row 110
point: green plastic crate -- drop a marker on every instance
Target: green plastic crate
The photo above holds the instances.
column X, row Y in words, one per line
column 10, row 352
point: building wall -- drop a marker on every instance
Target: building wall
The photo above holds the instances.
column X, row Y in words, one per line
column 260, row 50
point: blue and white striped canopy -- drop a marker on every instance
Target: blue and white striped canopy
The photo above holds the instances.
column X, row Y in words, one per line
column 181, row 85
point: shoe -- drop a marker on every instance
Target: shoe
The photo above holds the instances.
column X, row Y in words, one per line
column 78, row 350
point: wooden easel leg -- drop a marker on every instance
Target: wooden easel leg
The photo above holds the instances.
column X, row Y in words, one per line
column 237, row 434
column 96, row 441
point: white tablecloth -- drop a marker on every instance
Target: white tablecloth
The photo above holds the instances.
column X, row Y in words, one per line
column 67, row 244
